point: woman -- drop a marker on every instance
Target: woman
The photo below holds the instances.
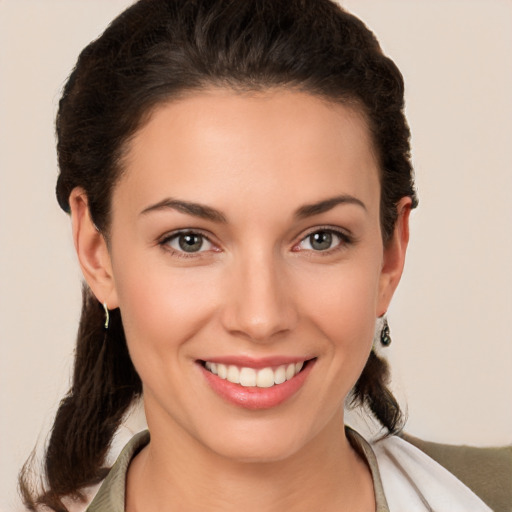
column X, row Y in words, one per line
column 239, row 182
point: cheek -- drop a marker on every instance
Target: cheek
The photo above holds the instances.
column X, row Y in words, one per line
column 344, row 300
column 161, row 309
column 341, row 305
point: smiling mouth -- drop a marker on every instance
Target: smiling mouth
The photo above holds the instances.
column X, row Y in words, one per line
column 250, row 377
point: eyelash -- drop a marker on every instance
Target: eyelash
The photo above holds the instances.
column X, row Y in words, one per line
column 345, row 240
column 164, row 243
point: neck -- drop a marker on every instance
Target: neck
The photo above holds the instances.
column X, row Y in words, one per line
column 173, row 473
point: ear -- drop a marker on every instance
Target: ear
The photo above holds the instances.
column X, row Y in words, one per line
column 394, row 256
column 92, row 250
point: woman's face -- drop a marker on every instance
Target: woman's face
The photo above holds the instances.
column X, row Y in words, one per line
column 245, row 241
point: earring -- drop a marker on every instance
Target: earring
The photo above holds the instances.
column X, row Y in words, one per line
column 107, row 316
column 385, row 333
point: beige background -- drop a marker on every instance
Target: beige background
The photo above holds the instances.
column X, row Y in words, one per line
column 451, row 319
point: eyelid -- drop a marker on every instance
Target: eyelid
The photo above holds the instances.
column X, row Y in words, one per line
column 345, row 235
column 164, row 240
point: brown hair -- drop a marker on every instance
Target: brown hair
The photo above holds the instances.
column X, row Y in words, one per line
column 152, row 52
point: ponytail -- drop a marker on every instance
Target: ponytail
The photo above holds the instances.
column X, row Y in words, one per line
column 371, row 390
column 104, row 385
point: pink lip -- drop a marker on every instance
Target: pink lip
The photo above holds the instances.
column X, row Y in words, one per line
column 254, row 397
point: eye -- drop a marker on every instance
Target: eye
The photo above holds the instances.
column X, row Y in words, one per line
column 323, row 240
column 188, row 242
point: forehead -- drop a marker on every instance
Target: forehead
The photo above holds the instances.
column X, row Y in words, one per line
column 221, row 145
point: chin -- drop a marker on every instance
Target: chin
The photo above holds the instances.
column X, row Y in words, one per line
column 258, row 452
column 259, row 441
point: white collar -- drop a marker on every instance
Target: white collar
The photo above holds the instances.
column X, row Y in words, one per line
column 413, row 482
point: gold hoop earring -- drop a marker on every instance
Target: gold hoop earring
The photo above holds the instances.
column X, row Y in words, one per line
column 107, row 316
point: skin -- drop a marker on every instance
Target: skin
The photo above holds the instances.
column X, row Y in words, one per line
column 257, row 288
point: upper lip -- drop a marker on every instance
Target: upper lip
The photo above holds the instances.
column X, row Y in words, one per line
column 260, row 362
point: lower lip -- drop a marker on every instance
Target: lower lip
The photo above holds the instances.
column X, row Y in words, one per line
column 254, row 397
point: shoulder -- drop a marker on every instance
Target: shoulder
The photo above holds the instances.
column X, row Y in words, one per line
column 487, row 471
column 440, row 474
column 110, row 496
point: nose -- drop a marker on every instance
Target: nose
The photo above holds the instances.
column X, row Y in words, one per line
column 259, row 302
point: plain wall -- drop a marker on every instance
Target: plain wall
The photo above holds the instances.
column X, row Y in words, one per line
column 451, row 318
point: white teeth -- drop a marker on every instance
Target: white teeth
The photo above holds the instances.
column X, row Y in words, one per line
column 212, row 367
column 233, row 374
column 265, row 378
column 280, row 375
column 222, row 371
column 249, row 377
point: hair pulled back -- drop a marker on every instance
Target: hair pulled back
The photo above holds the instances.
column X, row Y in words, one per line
column 153, row 52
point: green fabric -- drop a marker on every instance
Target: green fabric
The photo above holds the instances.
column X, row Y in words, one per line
column 486, row 471
column 110, row 497
column 365, row 451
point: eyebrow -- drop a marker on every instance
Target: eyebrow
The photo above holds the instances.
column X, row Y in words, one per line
column 194, row 209
column 309, row 210
column 209, row 213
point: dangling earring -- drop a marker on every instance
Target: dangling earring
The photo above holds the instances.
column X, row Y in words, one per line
column 107, row 316
column 385, row 333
